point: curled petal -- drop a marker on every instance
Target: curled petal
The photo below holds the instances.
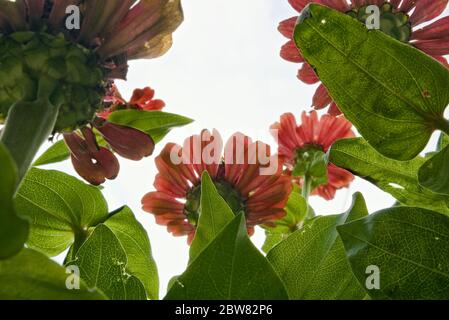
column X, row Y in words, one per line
column 291, row 53
column 287, row 27
column 321, row 99
column 95, row 165
column 143, row 98
column 127, row 142
column 158, row 40
column 307, row 75
column 12, row 15
column 140, row 19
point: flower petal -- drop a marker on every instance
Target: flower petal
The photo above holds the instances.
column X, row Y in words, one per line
column 291, row 53
column 426, row 10
column 128, row 142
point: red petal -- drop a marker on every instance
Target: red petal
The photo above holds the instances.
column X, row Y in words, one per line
column 321, row 99
column 287, row 27
column 291, row 53
column 299, row 5
column 438, row 29
column 427, row 10
column 436, row 47
column 307, row 75
column 160, row 203
column 128, row 142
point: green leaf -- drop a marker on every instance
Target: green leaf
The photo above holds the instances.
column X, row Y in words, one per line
column 102, row 262
column 399, row 178
column 434, row 173
column 13, row 229
column 59, row 207
column 215, row 215
column 158, row 134
column 230, row 268
column 136, row 244
column 32, row 276
column 60, row 152
column 410, row 246
column 312, row 263
column 296, row 214
column 56, row 153
column 393, row 93
column 154, row 123
column 116, row 259
column 443, row 141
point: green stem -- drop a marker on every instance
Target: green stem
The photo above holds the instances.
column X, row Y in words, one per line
column 443, row 125
column 306, row 191
column 27, row 127
column 307, row 187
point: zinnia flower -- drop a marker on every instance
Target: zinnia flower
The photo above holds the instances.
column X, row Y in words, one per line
column 237, row 176
column 37, row 48
column 313, row 134
column 97, row 163
column 73, row 65
column 142, row 99
column 400, row 19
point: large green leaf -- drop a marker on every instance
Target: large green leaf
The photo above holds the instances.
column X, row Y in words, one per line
column 116, row 259
column 136, row 244
column 56, row 153
column 296, row 213
column 215, row 215
column 154, row 123
column 102, row 262
column 434, row 173
column 60, row 207
column 312, row 262
column 410, row 248
column 13, row 229
column 399, row 178
column 394, row 94
column 32, row 276
column 230, row 268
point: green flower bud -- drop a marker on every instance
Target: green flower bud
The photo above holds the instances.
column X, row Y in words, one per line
column 28, row 57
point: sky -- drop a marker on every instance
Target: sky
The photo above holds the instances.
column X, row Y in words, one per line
column 223, row 71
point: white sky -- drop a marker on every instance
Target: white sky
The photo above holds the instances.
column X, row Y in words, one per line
column 225, row 72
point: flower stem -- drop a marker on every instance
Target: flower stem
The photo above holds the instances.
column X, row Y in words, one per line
column 443, row 125
column 307, row 186
column 306, row 191
column 27, row 127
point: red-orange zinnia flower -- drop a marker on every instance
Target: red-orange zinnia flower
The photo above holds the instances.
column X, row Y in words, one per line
column 313, row 133
column 403, row 21
column 237, row 176
column 142, row 99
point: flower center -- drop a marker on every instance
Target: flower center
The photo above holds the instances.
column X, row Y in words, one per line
column 392, row 22
column 192, row 207
column 311, row 162
column 33, row 63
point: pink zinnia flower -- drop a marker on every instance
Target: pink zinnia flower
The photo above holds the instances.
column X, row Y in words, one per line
column 317, row 134
column 407, row 15
column 237, row 176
